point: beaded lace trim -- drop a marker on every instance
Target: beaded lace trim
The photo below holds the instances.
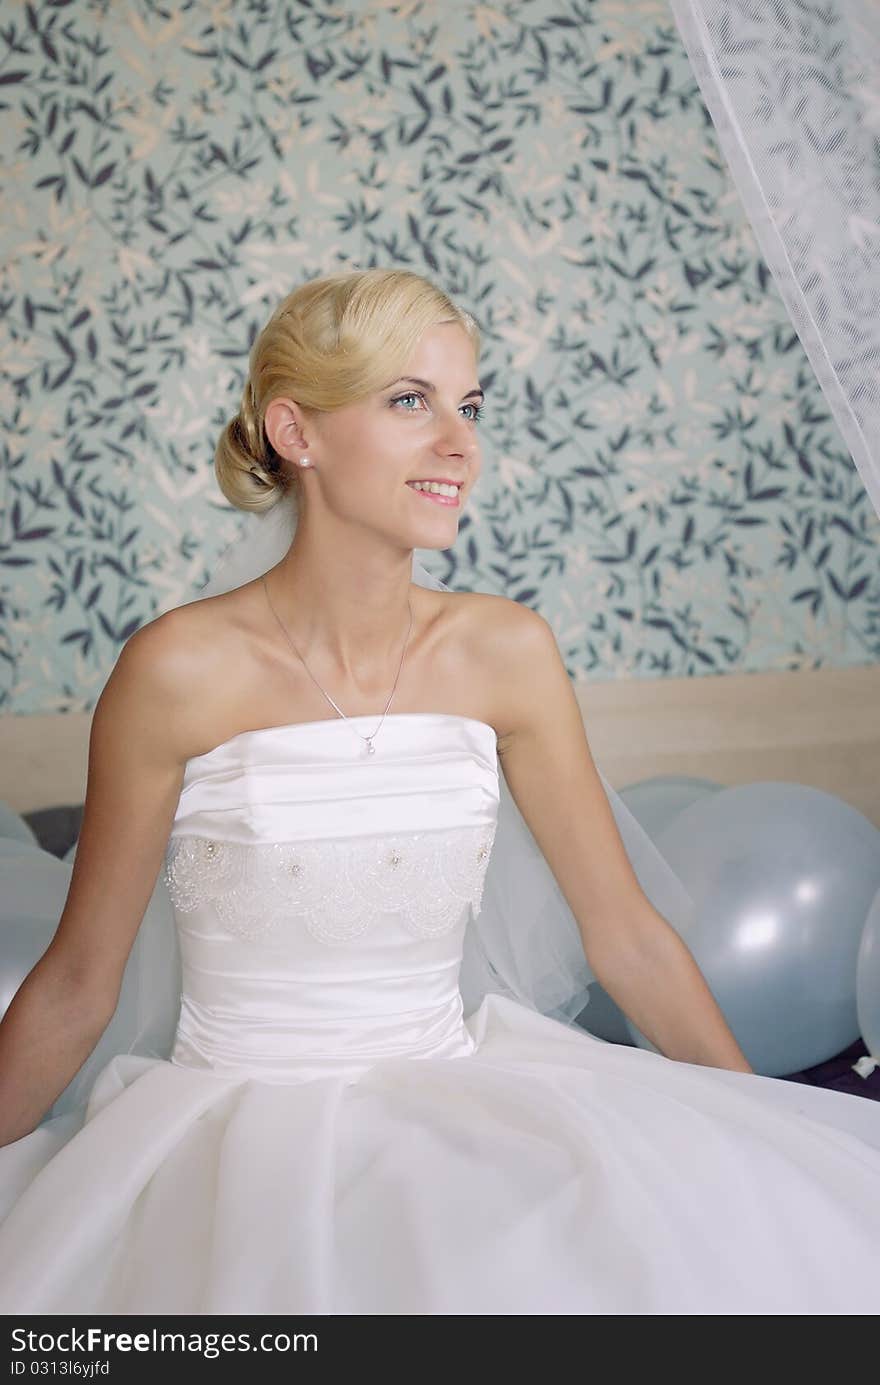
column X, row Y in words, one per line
column 336, row 887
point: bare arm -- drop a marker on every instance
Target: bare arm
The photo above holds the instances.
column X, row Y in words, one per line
column 636, row 954
column 135, row 771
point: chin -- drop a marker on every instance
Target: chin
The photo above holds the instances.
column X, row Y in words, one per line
column 435, row 540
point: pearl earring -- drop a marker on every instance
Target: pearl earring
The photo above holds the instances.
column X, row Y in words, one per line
column 304, row 461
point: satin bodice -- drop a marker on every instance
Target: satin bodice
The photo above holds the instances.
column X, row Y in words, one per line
column 321, row 894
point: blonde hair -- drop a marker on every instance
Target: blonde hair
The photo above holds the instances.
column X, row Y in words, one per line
column 331, row 342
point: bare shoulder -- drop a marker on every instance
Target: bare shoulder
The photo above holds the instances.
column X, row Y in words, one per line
column 173, row 645
column 169, row 664
column 501, row 620
column 185, row 634
column 516, row 650
column 503, row 629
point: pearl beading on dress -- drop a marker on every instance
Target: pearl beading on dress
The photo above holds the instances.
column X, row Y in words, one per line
column 337, row 888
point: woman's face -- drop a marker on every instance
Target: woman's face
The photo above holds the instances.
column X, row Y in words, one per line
column 366, row 455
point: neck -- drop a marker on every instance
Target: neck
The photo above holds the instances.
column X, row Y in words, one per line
column 348, row 614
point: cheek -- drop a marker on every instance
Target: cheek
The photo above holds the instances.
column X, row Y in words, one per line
column 389, row 443
column 359, row 445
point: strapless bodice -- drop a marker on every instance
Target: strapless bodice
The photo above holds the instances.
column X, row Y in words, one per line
column 321, row 894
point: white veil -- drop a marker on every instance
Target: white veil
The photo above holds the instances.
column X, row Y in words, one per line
column 794, row 95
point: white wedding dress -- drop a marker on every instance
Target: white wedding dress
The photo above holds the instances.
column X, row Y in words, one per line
column 332, row 1135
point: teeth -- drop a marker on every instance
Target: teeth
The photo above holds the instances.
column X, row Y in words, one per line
column 433, row 487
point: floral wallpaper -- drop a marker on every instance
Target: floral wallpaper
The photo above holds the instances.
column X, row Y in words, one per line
column 662, row 478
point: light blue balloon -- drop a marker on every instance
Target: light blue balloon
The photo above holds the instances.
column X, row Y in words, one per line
column 655, row 802
column 14, row 828
column 868, row 981
column 782, row 876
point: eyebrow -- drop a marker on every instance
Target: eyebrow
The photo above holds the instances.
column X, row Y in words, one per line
column 426, row 385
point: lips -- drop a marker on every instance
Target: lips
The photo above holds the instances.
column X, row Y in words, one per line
column 448, row 500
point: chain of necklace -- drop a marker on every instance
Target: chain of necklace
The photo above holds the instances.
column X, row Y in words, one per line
column 371, row 749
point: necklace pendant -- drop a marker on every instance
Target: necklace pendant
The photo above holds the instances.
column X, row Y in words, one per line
column 371, row 749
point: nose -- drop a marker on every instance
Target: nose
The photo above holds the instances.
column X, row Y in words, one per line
column 458, row 438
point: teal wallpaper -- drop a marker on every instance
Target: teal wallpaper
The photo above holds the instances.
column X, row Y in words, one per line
column 663, row 480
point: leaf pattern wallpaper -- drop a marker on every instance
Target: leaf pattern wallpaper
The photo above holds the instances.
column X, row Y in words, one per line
column 662, row 478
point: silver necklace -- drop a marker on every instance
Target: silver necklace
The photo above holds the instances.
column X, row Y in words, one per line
column 371, row 749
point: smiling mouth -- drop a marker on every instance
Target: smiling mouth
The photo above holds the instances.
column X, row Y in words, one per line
column 450, row 500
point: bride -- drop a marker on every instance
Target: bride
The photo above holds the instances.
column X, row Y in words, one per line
column 335, row 1130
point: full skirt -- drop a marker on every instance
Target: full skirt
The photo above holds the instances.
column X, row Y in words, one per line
column 547, row 1172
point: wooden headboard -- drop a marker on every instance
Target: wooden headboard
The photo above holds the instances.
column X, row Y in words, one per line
column 820, row 728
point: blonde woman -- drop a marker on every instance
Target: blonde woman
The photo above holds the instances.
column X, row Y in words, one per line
column 313, row 757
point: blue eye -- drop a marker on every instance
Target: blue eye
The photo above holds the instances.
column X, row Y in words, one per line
column 416, row 394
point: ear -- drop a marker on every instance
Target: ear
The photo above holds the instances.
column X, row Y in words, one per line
column 284, row 428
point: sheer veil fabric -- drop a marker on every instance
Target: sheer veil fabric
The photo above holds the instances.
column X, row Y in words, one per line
column 794, row 95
